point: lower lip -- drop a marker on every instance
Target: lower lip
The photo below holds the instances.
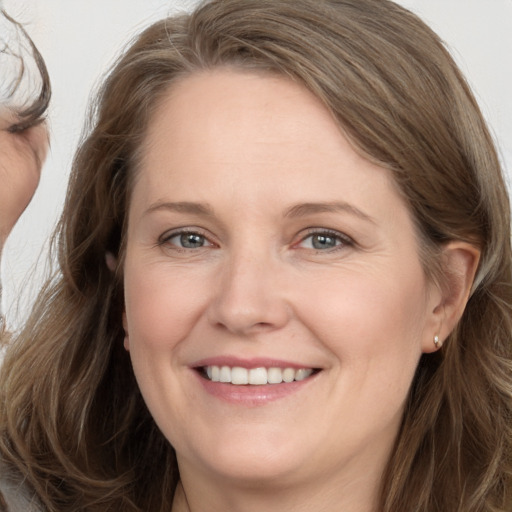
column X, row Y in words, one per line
column 250, row 395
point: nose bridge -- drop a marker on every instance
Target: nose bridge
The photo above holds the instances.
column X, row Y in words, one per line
column 250, row 295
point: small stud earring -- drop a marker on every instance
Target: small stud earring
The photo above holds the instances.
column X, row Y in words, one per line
column 437, row 343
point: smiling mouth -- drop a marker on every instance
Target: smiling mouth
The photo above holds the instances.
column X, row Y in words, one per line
column 261, row 376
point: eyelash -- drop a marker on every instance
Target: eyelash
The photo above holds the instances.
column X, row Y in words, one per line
column 341, row 240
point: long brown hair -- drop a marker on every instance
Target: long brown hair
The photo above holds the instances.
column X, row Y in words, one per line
column 72, row 420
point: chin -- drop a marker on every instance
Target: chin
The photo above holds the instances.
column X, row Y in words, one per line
column 252, row 458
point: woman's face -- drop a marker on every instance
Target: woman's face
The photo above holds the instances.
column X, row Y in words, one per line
column 262, row 248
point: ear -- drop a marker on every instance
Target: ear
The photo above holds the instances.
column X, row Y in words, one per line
column 459, row 262
column 126, row 342
column 111, row 261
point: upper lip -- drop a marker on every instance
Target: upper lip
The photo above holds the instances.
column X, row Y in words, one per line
column 256, row 362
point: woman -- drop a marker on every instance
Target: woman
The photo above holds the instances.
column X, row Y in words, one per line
column 285, row 278
column 24, row 97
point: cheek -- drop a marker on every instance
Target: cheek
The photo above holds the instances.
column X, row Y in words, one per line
column 19, row 165
column 373, row 326
column 369, row 318
column 162, row 305
column 160, row 314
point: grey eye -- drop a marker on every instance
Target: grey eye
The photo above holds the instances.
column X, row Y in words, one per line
column 324, row 241
column 189, row 240
column 321, row 241
column 185, row 240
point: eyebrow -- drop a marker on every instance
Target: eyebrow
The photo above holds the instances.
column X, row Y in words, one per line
column 296, row 211
column 201, row 209
column 305, row 209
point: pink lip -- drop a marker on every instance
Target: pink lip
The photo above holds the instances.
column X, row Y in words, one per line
column 251, row 396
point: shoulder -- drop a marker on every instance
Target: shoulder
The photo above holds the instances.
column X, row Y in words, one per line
column 14, row 495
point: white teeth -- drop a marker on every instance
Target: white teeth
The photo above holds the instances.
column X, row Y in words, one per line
column 302, row 374
column 225, row 374
column 288, row 374
column 274, row 376
column 239, row 376
column 258, row 376
column 255, row 376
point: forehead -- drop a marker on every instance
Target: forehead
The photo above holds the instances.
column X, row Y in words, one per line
column 249, row 135
column 206, row 101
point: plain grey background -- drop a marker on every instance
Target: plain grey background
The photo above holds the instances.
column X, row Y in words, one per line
column 79, row 39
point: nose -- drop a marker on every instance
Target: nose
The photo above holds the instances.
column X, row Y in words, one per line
column 250, row 295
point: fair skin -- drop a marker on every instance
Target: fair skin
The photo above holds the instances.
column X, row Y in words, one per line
column 21, row 158
column 258, row 237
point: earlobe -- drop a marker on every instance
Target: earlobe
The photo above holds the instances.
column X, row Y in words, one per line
column 126, row 341
column 110, row 261
column 459, row 265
